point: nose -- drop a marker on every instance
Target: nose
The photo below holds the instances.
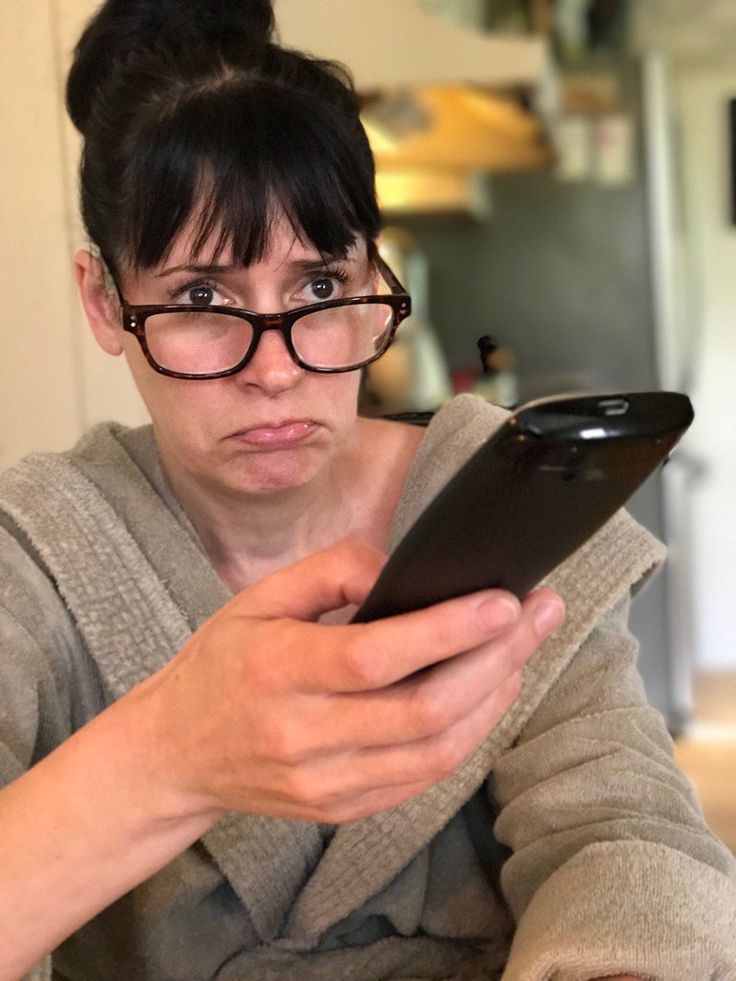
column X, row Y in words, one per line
column 271, row 368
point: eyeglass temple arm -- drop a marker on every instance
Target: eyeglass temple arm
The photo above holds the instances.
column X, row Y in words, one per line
column 108, row 276
column 387, row 272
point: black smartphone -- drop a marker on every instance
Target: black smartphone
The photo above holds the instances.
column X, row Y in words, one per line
column 541, row 485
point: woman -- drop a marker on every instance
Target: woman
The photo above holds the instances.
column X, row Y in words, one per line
column 209, row 772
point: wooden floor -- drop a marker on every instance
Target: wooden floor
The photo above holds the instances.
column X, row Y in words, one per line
column 707, row 752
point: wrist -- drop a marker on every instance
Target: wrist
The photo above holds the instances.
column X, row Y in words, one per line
column 154, row 764
column 82, row 827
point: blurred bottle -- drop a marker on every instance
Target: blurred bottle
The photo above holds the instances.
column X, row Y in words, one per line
column 412, row 375
column 497, row 382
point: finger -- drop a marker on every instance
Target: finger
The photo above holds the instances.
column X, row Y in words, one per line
column 430, row 702
column 438, row 757
column 427, row 703
column 326, row 580
column 370, row 656
column 547, row 610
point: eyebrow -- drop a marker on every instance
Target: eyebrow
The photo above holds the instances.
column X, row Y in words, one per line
column 296, row 265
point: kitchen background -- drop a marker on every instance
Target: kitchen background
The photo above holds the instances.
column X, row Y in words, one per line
column 555, row 173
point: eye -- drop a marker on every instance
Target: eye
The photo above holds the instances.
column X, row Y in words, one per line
column 200, row 295
column 328, row 285
column 323, row 288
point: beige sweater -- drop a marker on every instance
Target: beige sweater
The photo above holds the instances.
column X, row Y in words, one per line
column 599, row 861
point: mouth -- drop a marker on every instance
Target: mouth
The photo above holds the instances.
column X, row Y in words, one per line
column 286, row 432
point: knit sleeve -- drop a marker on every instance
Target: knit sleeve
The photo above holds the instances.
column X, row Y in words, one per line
column 613, row 869
column 34, row 688
column 49, row 685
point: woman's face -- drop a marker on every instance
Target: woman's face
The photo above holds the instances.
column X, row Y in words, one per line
column 273, row 426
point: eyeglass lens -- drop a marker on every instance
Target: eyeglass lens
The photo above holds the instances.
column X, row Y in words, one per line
column 205, row 342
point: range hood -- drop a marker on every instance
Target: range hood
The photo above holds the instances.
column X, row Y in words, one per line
column 431, row 142
column 441, row 102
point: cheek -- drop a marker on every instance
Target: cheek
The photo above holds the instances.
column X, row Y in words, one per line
column 345, row 386
column 339, row 395
column 172, row 403
column 137, row 365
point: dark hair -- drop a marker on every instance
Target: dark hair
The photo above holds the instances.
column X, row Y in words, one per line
column 188, row 105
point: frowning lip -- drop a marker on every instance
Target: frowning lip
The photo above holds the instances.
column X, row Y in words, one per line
column 274, row 433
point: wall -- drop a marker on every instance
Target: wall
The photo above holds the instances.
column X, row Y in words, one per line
column 40, row 398
column 686, row 29
column 107, row 391
column 55, row 381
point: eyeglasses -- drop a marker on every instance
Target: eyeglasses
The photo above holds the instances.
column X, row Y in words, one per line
column 192, row 341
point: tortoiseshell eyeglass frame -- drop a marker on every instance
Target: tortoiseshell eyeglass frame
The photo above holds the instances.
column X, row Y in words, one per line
column 134, row 318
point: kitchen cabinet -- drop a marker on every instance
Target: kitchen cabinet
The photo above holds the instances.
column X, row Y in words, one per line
column 402, row 43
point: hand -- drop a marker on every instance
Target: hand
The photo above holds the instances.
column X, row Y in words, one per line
column 267, row 711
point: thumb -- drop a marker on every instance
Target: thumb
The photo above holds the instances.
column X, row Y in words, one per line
column 327, row 580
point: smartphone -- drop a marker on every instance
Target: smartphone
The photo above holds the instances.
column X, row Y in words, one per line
column 541, row 485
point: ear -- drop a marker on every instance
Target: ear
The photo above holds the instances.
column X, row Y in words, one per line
column 100, row 307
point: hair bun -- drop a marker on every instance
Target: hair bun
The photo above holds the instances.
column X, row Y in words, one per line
column 231, row 29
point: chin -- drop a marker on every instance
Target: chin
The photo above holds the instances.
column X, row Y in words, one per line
column 269, row 473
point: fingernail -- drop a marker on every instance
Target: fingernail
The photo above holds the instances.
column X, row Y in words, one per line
column 548, row 616
column 499, row 612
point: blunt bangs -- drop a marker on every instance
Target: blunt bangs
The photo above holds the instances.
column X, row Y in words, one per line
column 228, row 160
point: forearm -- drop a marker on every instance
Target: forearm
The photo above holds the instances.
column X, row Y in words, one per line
column 81, row 828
